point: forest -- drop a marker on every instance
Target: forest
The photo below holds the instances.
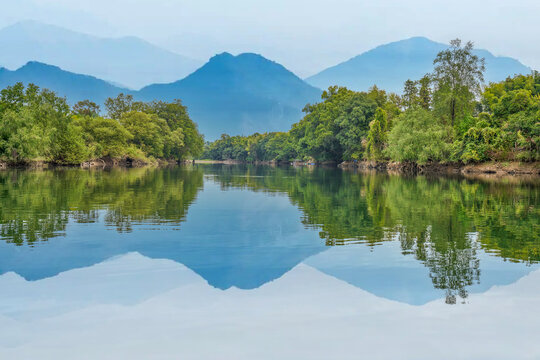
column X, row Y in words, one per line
column 37, row 125
column 448, row 115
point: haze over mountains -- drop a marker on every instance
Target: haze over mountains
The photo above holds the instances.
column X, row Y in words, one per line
column 128, row 61
column 390, row 65
column 239, row 95
column 74, row 87
column 229, row 94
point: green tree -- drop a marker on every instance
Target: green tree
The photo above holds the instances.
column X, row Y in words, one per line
column 183, row 129
column 148, row 130
column 418, row 137
column 103, row 137
column 118, row 106
column 86, row 108
column 424, row 94
column 410, row 94
column 458, row 76
column 378, row 129
column 334, row 129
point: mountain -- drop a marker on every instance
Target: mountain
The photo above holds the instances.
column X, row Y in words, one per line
column 73, row 86
column 390, row 65
column 238, row 95
column 230, row 94
column 130, row 61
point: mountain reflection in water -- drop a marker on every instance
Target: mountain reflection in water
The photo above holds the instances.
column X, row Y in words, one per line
column 235, row 226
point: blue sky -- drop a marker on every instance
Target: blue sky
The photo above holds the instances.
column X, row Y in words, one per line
column 304, row 35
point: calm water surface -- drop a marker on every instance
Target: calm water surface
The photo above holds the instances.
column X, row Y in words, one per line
column 236, row 262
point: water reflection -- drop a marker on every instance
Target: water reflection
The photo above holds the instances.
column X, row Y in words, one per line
column 37, row 205
column 443, row 223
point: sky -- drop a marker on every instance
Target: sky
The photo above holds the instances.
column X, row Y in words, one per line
column 304, row 35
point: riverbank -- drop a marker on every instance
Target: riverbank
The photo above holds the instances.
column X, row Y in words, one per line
column 496, row 168
column 489, row 168
column 95, row 163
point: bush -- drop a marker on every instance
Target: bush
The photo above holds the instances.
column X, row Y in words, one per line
column 417, row 136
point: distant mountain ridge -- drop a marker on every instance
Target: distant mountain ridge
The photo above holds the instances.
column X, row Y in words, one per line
column 239, row 95
column 129, row 61
column 230, row 94
column 248, row 93
column 390, row 65
column 74, row 87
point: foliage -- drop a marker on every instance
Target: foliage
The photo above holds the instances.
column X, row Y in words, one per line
column 378, row 129
column 103, row 137
column 509, row 129
column 458, row 76
column 38, row 125
column 86, row 108
column 333, row 129
column 418, row 137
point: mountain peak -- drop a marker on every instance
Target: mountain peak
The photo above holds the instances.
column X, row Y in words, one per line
column 389, row 65
column 223, row 55
column 38, row 65
column 238, row 94
column 126, row 60
column 226, row 56
column 74, row 87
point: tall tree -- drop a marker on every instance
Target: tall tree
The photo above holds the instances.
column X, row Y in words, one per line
column 119, row 105
column 458, row 77
column 378, row 129
column 86, row 108
column 424, row 94
column 410, row 93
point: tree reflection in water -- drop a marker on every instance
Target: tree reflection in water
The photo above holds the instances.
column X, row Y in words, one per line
column 443, row 222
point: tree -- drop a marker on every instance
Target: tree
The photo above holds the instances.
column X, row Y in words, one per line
column 377, row 134
column 148, row 130
column 417, row 136
column 86, row 108
column 177, row 118
column 20, row 137
column 333, row 130
column 410, row 94
column 458, row 77
column 424, row 94
column 32, row 123
column 103, row 137
column 119, row 105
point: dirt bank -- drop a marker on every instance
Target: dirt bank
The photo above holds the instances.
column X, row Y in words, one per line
column 503, row 168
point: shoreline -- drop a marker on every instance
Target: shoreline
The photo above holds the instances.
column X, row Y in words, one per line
column 101, row 163
column 489, row 168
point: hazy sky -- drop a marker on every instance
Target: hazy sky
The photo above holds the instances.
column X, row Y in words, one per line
column 304, row 35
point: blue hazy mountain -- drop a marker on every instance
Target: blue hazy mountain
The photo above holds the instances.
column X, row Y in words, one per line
column 238, row 95
column 390, row 65
column 130, row 61
column 74, row 87
column 230, row 94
